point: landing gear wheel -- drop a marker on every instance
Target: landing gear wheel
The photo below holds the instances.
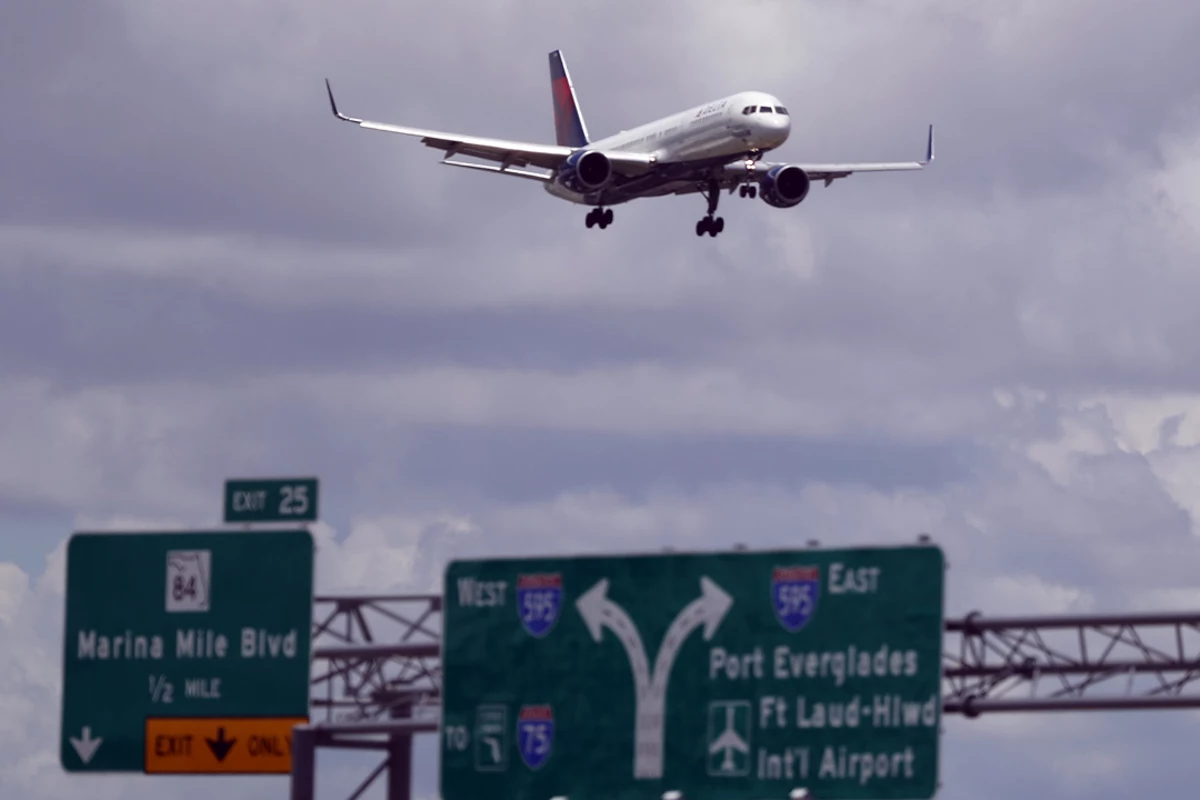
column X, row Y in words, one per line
column 710, row 225
column 598, row 216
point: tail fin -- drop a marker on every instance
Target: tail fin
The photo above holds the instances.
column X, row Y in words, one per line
column 569, row 127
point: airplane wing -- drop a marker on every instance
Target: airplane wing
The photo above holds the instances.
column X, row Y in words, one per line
column 734, row 176
column 831, row 172
column 728, row 740
column 510, row 154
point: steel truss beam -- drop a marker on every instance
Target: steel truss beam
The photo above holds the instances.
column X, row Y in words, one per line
column 376, row 682
column 1071, row 663
column 377, row 674
column 377, row 656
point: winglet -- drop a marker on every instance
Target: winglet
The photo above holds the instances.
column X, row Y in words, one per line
column 929, row 147
column 333, row 105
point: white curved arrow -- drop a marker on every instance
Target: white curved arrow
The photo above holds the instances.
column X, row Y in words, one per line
column 598, row 612
column 709, row 609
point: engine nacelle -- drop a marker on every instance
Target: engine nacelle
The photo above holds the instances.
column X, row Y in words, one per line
column 585, row 171
column 784, row 186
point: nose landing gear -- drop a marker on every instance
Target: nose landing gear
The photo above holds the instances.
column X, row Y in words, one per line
column 749, row 188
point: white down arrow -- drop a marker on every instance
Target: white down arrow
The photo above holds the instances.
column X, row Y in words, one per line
column 86, row 747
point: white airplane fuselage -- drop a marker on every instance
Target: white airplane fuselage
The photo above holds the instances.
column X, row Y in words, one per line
column 716, row 130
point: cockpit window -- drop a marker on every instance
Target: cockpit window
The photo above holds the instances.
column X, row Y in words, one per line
column 765, row 109
column 748, row 110
column 780, row 110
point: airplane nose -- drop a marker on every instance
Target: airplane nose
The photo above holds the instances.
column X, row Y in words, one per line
column 779, row 129
column 773, row 129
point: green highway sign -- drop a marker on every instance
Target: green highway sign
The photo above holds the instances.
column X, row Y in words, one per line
column 163, row 628
column 727, row 674
column 271, row 500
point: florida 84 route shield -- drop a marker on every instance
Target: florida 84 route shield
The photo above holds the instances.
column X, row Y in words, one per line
column 731, row 674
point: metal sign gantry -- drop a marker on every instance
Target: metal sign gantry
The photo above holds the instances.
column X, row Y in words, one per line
column 376, row 679
column 1071, row 663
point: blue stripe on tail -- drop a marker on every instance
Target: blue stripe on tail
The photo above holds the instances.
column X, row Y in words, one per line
column 569, row 127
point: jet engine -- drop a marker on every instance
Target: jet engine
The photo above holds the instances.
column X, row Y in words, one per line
column 585, row 171
column 784, row 186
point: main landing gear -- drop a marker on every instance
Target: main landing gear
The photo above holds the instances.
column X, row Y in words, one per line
column 709, row 224
column 599, row 216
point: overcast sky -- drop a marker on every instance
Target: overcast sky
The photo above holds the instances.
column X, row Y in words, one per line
column 203, row 274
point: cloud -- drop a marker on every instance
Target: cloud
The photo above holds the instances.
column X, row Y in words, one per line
column 13, row 583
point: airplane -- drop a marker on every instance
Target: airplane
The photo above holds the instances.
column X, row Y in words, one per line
column 705, row 149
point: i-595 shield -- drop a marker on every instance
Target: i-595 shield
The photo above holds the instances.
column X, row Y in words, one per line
column 535, row 734
column 794, row 593
column 539, row 600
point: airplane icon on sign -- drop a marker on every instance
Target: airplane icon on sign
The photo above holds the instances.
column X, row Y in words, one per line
column 729, row 742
